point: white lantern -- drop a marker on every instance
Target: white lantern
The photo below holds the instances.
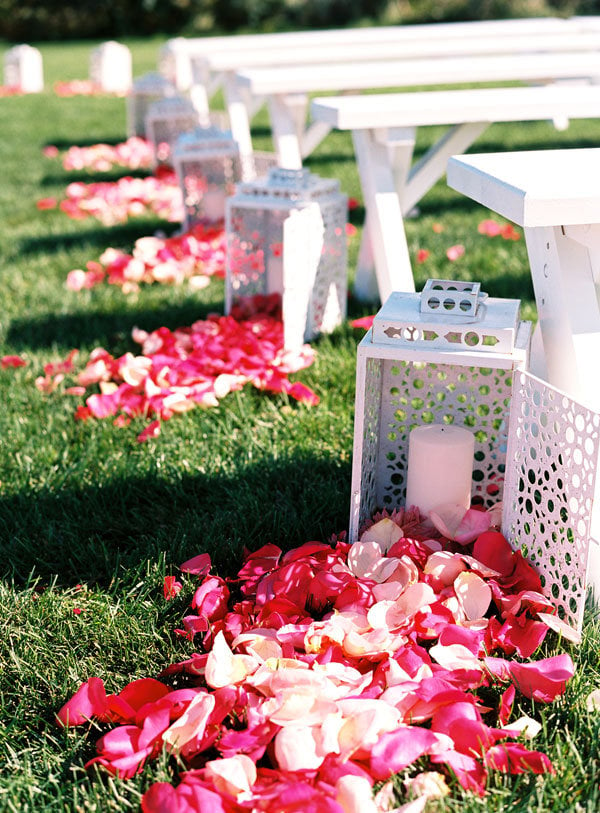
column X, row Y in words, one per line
column 207, row 163
column 147, row 89
column 110, row 67
column 23, row 69
column 166, row 120
column 286, row 234
column 444, row 357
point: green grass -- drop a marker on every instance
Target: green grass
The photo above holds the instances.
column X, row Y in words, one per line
column 89, row 519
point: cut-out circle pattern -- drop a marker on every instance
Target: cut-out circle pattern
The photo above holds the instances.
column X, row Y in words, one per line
column 551, row 474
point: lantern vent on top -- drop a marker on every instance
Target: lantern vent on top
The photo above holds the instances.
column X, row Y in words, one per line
column 448, row 316
column 291, row 185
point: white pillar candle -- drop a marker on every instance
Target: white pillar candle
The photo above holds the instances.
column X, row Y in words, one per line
column 440, row 467
column 213, row 203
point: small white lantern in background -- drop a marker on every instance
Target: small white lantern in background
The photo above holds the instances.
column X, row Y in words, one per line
column 145, row 90
column 166, row 120
column 23, row 69
column 443, row 357
column 286, row 234
column 110, row 67
column 207, row 163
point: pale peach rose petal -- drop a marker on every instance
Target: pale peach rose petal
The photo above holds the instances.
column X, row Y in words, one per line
column 223, row 668
column 454, row 656
column 561, row 627
column 592, row 702
column 189, row 728
column 385, row 533
column 298, row 748
column 354, row 794
column 444, row 566
column 473, row 594
column 234, row 775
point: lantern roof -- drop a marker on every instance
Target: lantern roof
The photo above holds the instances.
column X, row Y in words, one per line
column 153, row 83
column 201, row 140
column 448, row 315
column 296, row 185
column 171, row 106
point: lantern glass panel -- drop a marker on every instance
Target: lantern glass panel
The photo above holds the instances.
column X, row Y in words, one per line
column 166, row 120
column 206, row 183
column 256, row 251
column 286, row 235
column 145, row 91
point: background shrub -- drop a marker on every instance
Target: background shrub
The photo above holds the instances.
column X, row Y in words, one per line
column 31, row 20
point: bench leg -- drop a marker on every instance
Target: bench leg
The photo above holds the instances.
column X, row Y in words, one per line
column 432, row 165
column 384, row 222
column 399, row 143
column 285, row 132
column 200, row 91
column 563, row 270
column 237, row 103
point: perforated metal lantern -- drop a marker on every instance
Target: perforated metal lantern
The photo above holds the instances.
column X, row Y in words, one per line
column 207, row 163
column 550, row 507
column 166, row 120
column 145, row 90
column 445, row 356
column 110, row 67
column 23, row 69
column 286, row 234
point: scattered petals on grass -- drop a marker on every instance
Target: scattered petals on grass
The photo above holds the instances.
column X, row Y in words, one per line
column 311, row 680
column 12, row 361
column 455, row 252
column 592, row 702
column 438, row 228
column 492, row 228
column 114, row 202
column 150, row 432
column 364, row 323
column 422, row 255
column 189, row 367
column 10, row 90
column 134, row 153
column 171, row 587
column 46, row 203
column 193, row 256
column 81, row 87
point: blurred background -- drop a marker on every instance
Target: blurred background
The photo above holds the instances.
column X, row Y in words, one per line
column 71, row 19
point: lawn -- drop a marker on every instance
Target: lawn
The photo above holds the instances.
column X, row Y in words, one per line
column 91, row 520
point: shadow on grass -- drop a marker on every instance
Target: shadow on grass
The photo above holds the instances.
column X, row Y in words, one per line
column 121, row 235
column 102, row 534
column 111, row 176
column 109, row 329
column 65, row 143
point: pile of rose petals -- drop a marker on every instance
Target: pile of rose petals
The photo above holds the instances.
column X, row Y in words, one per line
column 324, row 670
column 188, row 367
column 10, row 90
column 194, row 256
column 81, row 87
column 135, row 153
column 114, row 202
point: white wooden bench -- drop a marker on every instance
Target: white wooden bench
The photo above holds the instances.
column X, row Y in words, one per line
column 555, row 196
column 287, row 90
column 175, row 55
column 384, row 130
